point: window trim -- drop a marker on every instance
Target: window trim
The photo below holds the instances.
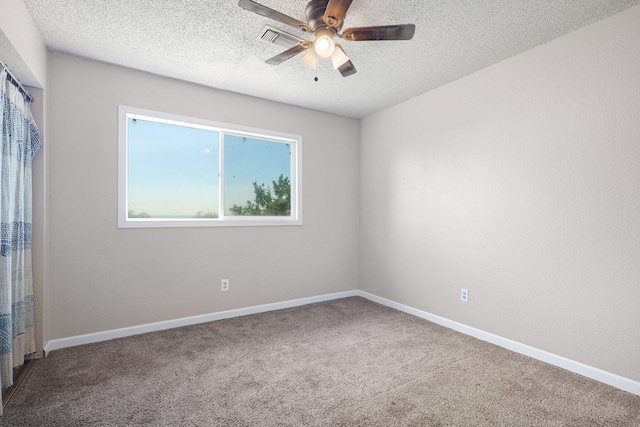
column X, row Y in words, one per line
column 295, row 141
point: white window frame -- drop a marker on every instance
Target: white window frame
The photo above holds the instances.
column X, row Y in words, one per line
column 295, row 142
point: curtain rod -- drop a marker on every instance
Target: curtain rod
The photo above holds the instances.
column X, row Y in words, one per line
column 16, row 82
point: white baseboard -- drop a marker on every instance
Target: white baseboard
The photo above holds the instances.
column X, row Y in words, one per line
column 57, row 344
column 605, row 377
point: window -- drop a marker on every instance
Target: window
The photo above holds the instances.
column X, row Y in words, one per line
column 181, row 172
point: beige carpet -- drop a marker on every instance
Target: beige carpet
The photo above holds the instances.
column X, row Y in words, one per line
column 348, row 362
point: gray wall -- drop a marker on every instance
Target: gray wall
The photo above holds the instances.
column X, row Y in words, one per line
column 521, row 183
column 21, row 46
column 101, row 277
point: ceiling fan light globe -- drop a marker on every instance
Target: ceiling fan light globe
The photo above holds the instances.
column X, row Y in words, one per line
column 324, row 46
column 339, row 57
column 311, row 58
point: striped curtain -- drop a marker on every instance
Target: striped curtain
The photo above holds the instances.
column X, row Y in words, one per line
column 20, row 141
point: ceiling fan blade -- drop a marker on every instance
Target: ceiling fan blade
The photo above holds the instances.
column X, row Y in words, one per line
column 335, row 12
column 252, row 6
column 383, row 32
column 288, row 54
column 347, row 69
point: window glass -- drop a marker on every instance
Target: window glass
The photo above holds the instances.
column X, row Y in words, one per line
column 257, row 177
column 173, row 171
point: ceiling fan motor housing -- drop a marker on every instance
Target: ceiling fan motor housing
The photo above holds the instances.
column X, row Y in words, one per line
column 315, row 15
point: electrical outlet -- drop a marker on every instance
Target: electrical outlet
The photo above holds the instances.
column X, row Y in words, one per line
column 224, row 285
column 464, row 295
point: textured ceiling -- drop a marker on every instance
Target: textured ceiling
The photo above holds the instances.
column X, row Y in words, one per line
column 215, row 43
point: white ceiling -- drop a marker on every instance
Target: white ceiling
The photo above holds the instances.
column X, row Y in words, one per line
column 215, row 43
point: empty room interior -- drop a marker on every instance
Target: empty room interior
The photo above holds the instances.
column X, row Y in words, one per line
column 467, row 181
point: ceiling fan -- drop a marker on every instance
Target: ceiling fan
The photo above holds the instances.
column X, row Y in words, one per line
column 324, row 21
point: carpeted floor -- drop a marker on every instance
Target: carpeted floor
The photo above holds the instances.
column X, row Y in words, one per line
column 347, row 362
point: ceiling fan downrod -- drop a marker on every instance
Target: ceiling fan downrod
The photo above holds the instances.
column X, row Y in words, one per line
column 315, row 12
